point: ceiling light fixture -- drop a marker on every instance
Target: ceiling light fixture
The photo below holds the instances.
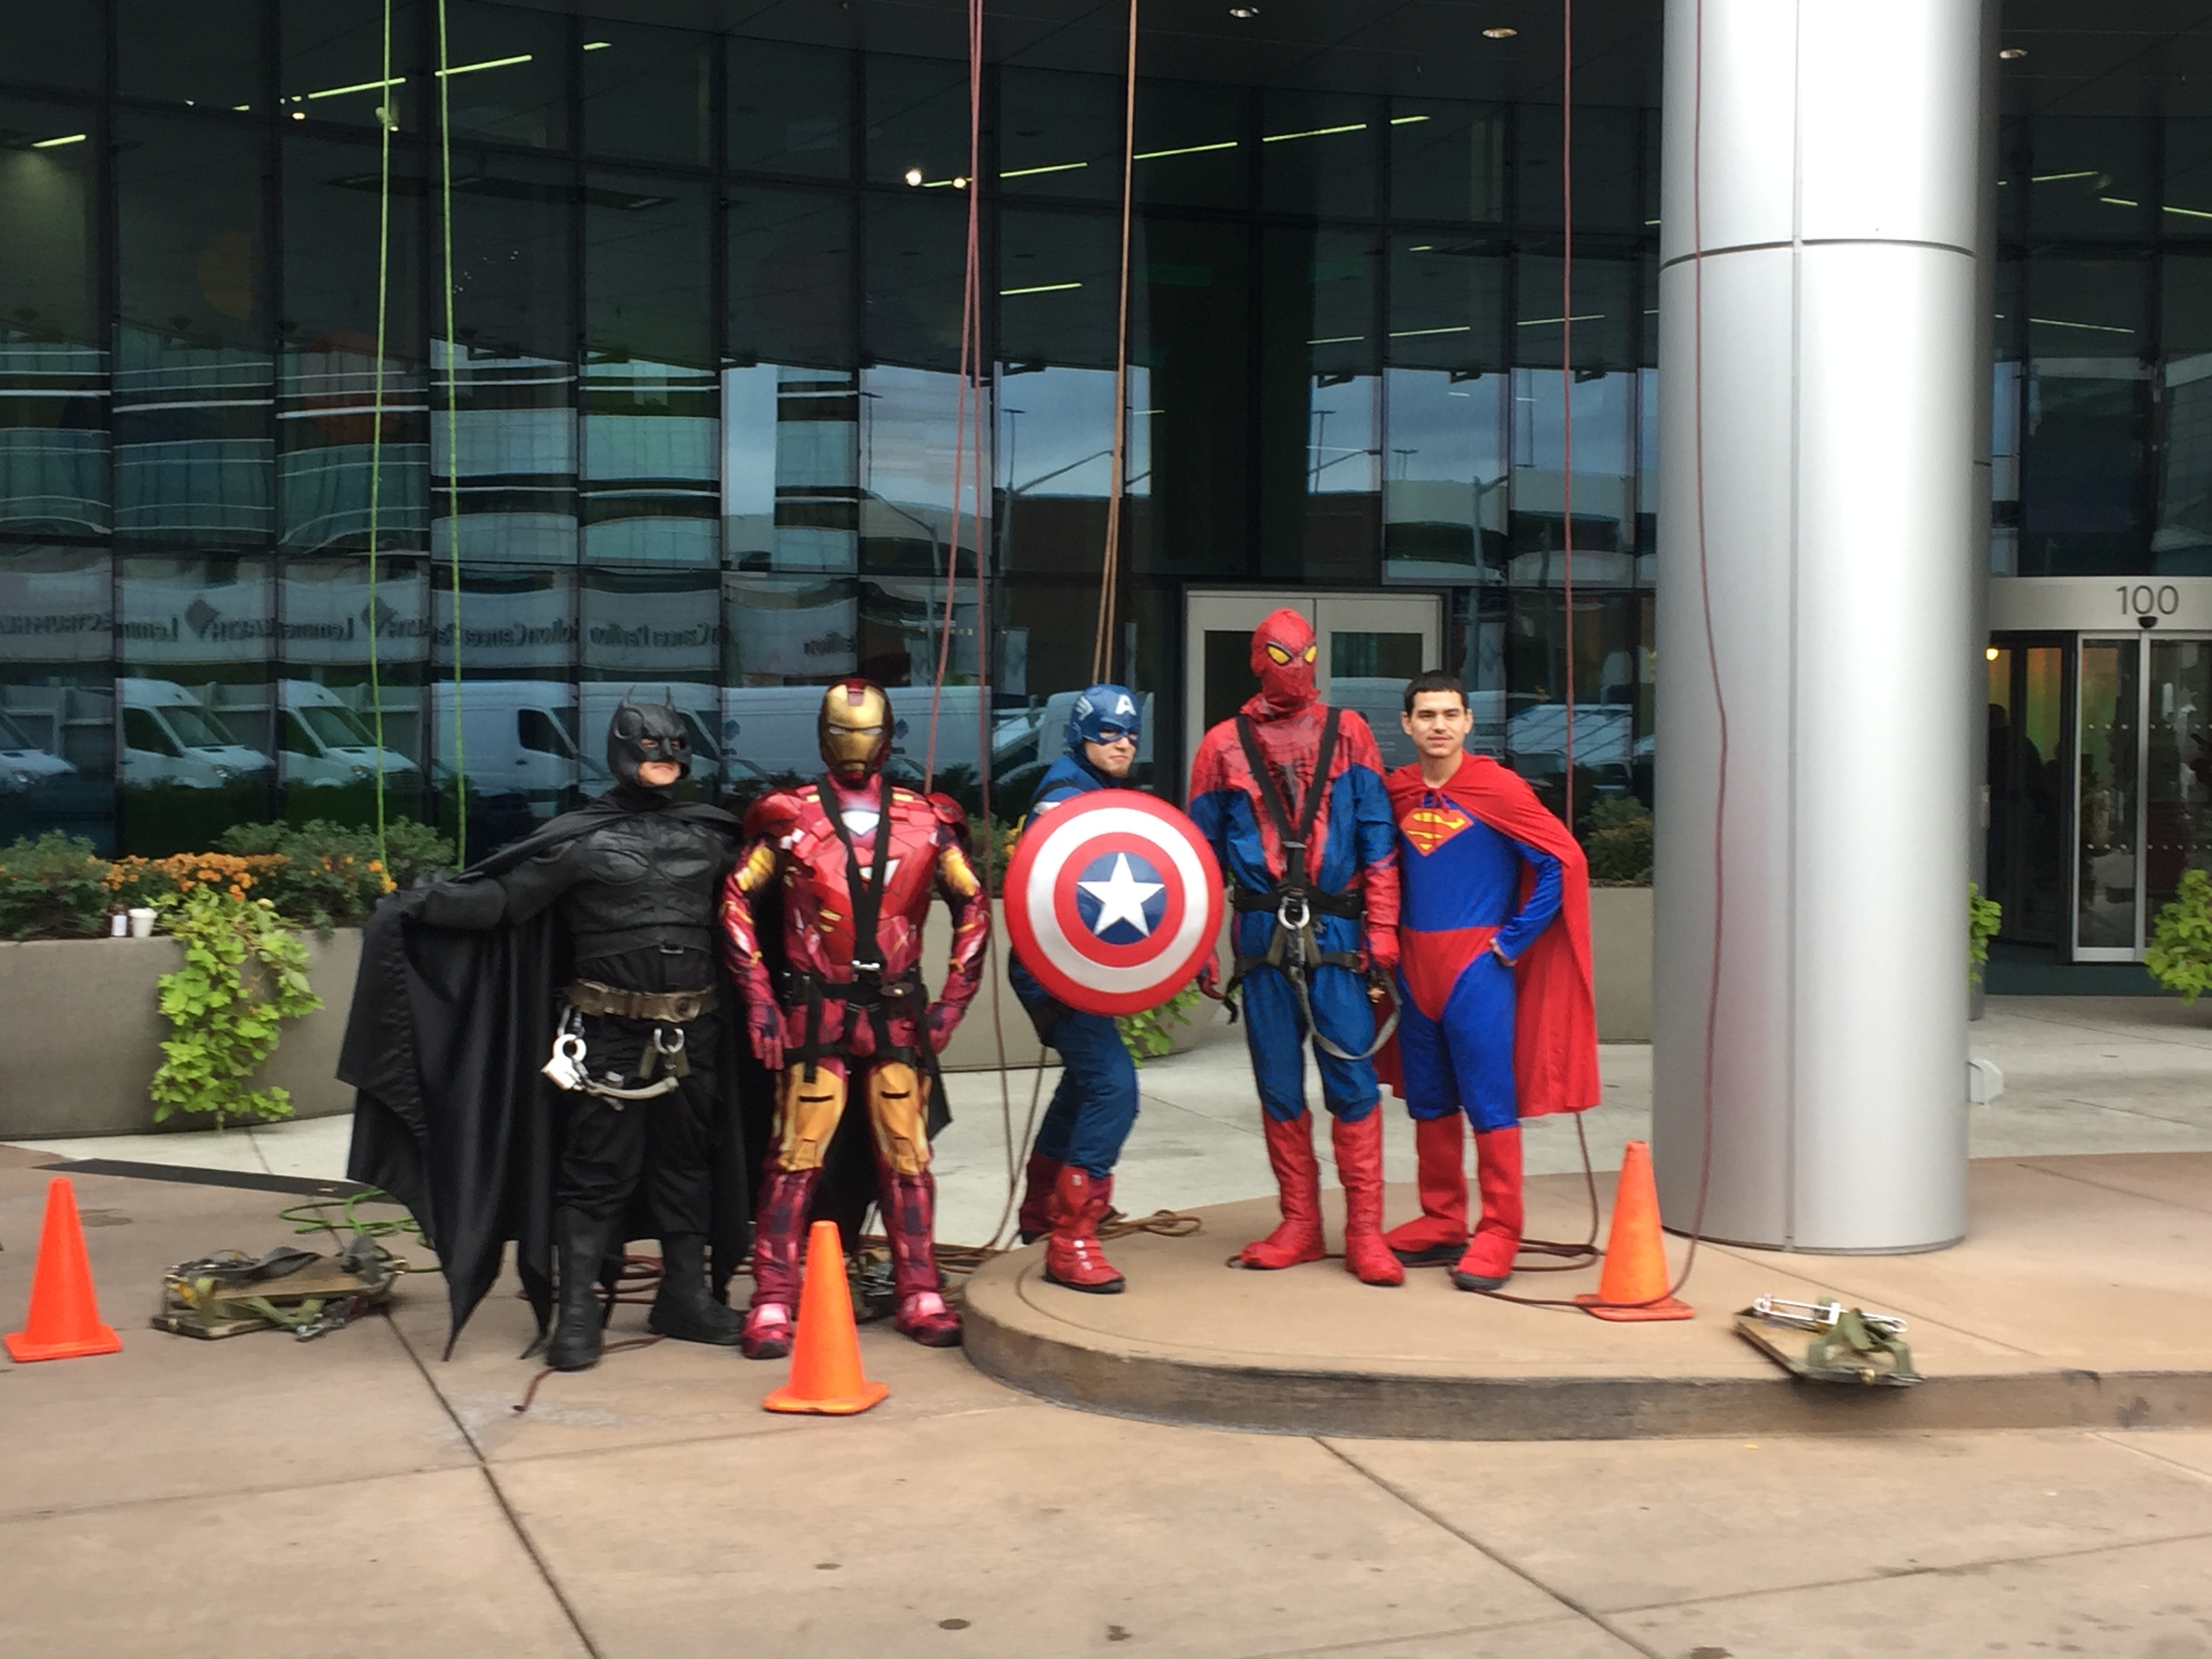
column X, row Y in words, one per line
column 2012, row 54
column 1501, row 31
column 914, row 175
column 55, row 143
column 1244, row 11
column 487, row 63
column 597, row 45
column 1990, row 652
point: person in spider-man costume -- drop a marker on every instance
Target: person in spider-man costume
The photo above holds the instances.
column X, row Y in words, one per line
column 1290, row 793
column 1499, row 1021
column 858, row 859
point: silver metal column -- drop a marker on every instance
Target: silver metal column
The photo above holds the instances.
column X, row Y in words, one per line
column 1840, row 238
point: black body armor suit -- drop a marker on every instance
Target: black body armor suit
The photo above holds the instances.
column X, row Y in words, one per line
column 645, row 886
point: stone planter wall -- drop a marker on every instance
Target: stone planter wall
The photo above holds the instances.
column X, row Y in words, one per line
column 80, row 1037
column 1621, row 962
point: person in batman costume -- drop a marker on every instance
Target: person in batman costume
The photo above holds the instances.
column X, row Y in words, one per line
column 598, row 928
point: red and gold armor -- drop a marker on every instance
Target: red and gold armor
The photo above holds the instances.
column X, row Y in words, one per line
column 853, row 1010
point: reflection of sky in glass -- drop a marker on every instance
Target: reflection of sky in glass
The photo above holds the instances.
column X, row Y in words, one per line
column 1340, row 442
column 1056, row 431
column 1601, row 408
column 1443, row 430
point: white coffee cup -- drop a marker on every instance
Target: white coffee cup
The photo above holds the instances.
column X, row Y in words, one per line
column 141, row 922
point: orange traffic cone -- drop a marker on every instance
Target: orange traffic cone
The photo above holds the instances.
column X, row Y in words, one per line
column 65, row 1318
column 825, row 1360
column 1635, row 1283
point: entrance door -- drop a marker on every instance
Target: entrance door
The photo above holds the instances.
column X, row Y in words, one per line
column 2130, row 718
column 1370, row 645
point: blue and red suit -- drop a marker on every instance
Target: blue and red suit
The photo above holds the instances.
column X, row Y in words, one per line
column 1290, row 793
column 1070, row 1186
column 1497, row 1020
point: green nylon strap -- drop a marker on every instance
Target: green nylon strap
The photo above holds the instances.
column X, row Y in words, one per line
column 453, row 437
column 387, row 118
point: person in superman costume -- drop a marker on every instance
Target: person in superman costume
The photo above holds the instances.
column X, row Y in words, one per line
column 857, row 860
column 1499, row 1021
column 1070, row 1187
column 1290, row 793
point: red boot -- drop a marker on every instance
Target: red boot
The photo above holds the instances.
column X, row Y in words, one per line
column 1034, row 1220
column 1359, row 1167
column 1298, row 1183
column 1488, row 1262
column 1436, row 1239
column 770, row 1323
column 909, row 1209
column 1072, row 1255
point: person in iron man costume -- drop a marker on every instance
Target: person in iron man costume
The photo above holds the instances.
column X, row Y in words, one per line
column 857, row 858
column 1290, row 793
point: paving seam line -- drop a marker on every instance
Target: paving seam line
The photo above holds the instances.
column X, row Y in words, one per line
column 499, row 1496
column 1368, row 1644
column 2132, row 1442
column 1569, row 1602
column 2124, row 1192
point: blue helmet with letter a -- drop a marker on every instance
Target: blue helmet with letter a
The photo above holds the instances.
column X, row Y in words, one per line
column 1102, row 712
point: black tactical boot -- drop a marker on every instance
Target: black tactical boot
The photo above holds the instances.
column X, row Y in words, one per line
column 683, row 1308
column 579, row 1318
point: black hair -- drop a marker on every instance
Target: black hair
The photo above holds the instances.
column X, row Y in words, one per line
column 1435, row 680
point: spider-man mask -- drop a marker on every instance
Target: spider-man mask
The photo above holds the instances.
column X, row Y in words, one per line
column 1283, row 653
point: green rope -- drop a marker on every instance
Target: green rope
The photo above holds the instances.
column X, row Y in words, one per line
column 453, row 440
column 385, row 120
column 313, row 1217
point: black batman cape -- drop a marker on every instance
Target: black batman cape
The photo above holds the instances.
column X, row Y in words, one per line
column 452, row 1116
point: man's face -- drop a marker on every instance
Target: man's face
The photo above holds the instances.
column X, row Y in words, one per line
column 659, row 774
column 1114, row 754
column 1439, row 723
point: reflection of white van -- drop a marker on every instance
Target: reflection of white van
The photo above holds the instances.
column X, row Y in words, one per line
column 326, row 742
column 23, row 763
column 517, row 738
column 170, row 737
column 773, row 729
column 695, row 702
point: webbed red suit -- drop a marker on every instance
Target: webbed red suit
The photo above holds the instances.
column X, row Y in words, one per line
column 858, row 859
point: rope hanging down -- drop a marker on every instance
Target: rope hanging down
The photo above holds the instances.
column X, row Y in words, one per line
column 452, row 435
column 1109, row 583
column 1567, row 373
column 387, row 118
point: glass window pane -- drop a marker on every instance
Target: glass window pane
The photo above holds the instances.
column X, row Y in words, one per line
column 1608, row 321
column 917, row 264
column 2185, row 204
column 1193, row 149
column 333, row 722
column 648, row 93
column 333, row 61
column 57, row 693
column 200, row 728
column 791, row 276
column 659, row 633
column 1447, row 304
column 1444, row 491
column 1609, row 192
column 1604, row 480
column 506, row 73
column 1190, row 325
column 1317, row 152
column 650, row 465
column 2088, row 418
column 2182, row 540
column 1447, row 160
column 2093, row 177
column 909, row 420
column 1060, row 134
column 326, row 417
column 518, row 724
column 53, row 436
column 2111, row 795
column 53, row 46
column 789, row 108
column 1319, row 415
column 202, row 52
column 1610, row 734
column 193, row 452
column 918, row 121
column 513, row 365
column 784, row 640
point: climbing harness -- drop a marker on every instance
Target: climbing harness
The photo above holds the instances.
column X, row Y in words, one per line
column 1848, row 1344
column 230, row 1293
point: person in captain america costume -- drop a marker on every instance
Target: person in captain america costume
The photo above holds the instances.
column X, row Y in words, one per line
column 858, row 859
column 1498, row 1020
column 1070, row 1186
column 1290, row 793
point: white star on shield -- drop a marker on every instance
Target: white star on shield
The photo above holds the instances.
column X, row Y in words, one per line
column 1121, row 897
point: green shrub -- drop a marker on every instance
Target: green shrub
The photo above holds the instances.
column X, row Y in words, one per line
column 332, row 876
column 53, row 887
column 245, row 973
column 1147, row 1036
column 1620, row 843
column 1984, row 917
column 2179, row 955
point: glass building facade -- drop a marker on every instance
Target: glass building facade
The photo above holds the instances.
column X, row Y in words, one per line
column 681, row 407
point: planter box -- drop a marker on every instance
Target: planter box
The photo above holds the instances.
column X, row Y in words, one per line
column 80, row 1037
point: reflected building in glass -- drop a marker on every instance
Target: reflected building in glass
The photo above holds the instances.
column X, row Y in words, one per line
column 681, row 408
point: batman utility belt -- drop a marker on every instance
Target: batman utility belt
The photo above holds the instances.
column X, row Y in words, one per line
column 664, row 1049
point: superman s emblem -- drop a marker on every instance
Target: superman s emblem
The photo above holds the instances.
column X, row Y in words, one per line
column 1430, row 827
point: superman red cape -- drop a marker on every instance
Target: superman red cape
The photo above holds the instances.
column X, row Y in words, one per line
column 1555, row 1016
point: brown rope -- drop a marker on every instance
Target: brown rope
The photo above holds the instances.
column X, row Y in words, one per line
column 1101, row 647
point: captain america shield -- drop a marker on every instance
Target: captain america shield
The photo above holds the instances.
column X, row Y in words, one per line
column 1113, row 900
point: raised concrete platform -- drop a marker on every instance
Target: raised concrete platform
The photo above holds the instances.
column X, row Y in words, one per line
column 2082, row 1298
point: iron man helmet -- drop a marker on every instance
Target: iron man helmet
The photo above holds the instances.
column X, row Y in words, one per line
column 855, row 729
